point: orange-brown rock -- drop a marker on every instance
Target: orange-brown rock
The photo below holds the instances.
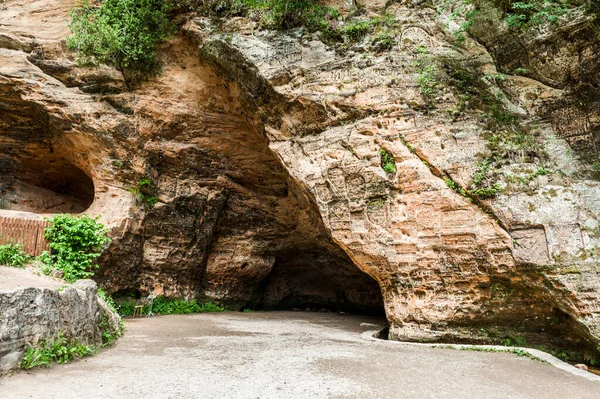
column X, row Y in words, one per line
column 268, row 153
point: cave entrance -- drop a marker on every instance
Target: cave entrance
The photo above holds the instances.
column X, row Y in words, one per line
column 319, row 280
column 48, row 183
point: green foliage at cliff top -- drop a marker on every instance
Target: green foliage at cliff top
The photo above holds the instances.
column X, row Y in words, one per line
column 122, row 33
column 281, row 14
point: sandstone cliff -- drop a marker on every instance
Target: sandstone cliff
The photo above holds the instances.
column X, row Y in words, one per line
column 454, row 182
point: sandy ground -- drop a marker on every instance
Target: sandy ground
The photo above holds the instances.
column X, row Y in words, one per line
column 287, row 355
column 13, row 278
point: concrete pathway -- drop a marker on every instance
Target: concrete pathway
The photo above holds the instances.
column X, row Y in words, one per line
column 287, row 355
column 13, row 278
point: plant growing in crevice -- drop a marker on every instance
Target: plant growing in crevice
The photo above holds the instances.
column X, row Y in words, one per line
column 108, row 333
column 509, row 139
column 388, row 163
column 523, row 14
column 145, row 192
column 384, row 40
column 281, row 14
column 454, row 186
column 465, row 10
column 428, row 76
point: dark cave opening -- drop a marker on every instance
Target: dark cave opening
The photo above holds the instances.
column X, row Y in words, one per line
column 48, row 183
column 316, row 280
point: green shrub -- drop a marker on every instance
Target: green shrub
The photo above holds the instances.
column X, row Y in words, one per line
column 211, row 307
column 522, row 14
column 126, row 308
column 74, row 241
column 13, row 255
column 60, row 351
column 486, row 192
column 122, row 33
column 357, row 30
column 162, row 305
column 287, row 14
column 165, row 306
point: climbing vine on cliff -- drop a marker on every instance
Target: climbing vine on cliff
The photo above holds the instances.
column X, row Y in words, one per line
column 122, row 33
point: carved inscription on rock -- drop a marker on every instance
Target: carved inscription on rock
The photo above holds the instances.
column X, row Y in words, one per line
column 565, row 239
column 531, row 245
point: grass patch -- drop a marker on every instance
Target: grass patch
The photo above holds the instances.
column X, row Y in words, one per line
column 516, row 351
column 166, row 306
column 60, row 351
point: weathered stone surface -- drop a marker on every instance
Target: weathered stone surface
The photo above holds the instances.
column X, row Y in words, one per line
column 31, row 315
column 264, row 150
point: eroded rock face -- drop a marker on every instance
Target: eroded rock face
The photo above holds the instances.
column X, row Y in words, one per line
column 227, row 211
column 450, row 267
column 269, row 154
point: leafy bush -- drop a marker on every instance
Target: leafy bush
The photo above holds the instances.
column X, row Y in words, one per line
column 211, row 307
column 35, row 357
column 486, row 192
column 523, row 14
column 384, row 40
column 122, row 33
column 357, row 30
column 175, row 306
column 13, row 255
column 75, row 241
column 126, row 308
column 286, row 14
column 60, row 351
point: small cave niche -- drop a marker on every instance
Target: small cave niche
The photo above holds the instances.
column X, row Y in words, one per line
column 48, row 183
column 320, row 281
